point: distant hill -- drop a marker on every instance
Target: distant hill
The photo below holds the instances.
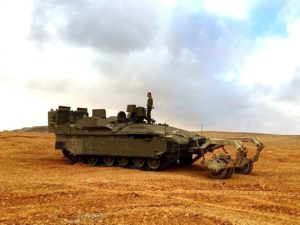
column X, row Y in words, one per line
column 226, row 134
column 40, row 129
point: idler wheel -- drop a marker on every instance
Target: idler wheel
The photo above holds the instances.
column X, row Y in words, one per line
column 229, row 173
column 221, row 174
column 138, row 162
column 246, row 169
column 72, row 158
column 154, row 163
column 123, row 161
column 92, row 160
column 65, row 153
column 81, row 159
column 108, row 160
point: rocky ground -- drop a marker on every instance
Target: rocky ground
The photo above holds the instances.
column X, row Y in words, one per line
column 39, row 186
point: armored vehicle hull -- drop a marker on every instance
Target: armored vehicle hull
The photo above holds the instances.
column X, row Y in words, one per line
column 128, row 141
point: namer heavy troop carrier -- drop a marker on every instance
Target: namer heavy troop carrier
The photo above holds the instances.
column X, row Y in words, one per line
column 126, row 140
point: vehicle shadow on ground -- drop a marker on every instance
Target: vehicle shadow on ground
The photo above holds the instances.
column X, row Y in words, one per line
column 194, row 170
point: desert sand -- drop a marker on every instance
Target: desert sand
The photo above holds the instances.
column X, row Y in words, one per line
column 40, row 186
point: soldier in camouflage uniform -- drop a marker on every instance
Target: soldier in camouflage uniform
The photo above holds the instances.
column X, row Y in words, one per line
column 149, row 107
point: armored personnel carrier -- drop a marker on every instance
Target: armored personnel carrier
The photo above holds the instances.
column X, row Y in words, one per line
column 126, row 140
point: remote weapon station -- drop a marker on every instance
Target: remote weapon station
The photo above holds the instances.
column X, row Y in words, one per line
column 126, row 140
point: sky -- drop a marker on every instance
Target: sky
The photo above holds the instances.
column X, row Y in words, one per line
column 229, row 65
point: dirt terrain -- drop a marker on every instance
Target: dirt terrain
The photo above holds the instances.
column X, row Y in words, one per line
column 39, row 186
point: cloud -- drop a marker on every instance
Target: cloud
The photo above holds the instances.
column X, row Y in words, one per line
column 274, row 59
column 290, row 12
column 113, row 27
column 14, row 21
column 238, row 10
column 290, row 92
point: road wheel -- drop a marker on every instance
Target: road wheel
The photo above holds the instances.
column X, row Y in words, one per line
column 221, row 174
column 108, row 160
column 92, row 160
column 123, row 161
column 246, row 169
column 65, row 153
column 229, row 173
column 154, row 163
column 138, row 162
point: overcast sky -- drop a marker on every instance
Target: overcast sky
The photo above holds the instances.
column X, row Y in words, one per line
column 227, row 64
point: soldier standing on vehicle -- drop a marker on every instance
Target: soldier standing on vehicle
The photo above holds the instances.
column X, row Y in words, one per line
column 149, row 107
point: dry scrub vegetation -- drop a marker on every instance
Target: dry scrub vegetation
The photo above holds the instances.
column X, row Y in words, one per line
column 39, row 186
